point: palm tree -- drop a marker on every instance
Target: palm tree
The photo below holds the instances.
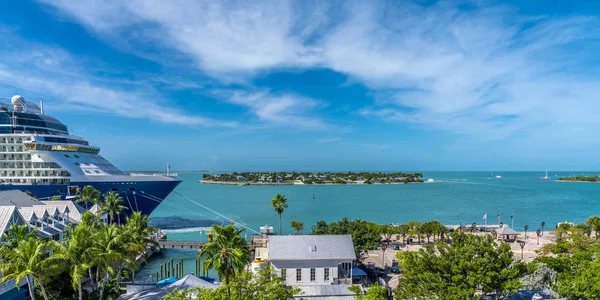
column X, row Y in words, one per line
column 137, row 223
column 112, row 206
column 29, row 258
column 88, row 194
column 17, row 233
column 109, row 249
column 594, row 222
column 297, row 226
column 227, row 253
column 403, row 230
column 72, row 252
column 279, row 203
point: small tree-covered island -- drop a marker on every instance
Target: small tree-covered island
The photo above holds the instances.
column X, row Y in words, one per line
column 581, row 178
column 312, row 178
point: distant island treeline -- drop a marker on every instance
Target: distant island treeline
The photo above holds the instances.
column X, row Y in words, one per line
column 313, row 178
column 581, row 178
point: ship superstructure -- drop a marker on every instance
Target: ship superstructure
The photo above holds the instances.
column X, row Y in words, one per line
column 37, row 154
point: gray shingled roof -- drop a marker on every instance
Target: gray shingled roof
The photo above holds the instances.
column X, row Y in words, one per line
column 328, row 292
column 6, row 214
column 506, row 231
column 17, row 198
column 298, row 247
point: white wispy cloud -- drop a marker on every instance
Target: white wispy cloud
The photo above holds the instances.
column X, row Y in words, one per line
column 329, row 140
column 281, row 109
column 377, row 147
column 485, row 71
column 53, row 73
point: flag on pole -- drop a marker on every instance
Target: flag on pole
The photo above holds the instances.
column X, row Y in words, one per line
column 485, row 216
column 498, row 217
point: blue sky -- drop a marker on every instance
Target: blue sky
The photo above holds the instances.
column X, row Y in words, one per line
column 315, row 85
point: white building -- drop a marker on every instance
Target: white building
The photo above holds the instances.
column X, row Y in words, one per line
column 308, row 260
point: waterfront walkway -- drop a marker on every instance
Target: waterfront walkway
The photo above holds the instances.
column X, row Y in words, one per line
column 163, row 244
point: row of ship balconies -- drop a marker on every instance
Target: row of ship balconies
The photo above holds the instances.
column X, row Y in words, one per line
column 29, row 165
column 15, row 157
column 14, row 140
column 12, row 149
column 29, row 173
column 30, row 181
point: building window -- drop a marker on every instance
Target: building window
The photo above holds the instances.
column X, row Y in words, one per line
column 283, row 274
column 298, row 275
column 326, row 274
column 312, row 274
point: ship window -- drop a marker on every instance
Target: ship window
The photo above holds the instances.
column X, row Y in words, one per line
column 132, row 189
column 76, row 156
column 113, row 189
column 77, row 164
column 67, row 156
column 97, row 172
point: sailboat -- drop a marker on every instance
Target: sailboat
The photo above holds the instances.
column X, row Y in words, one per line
column 546, row 177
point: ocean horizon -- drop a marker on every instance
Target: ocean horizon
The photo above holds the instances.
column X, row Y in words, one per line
column 452, row 198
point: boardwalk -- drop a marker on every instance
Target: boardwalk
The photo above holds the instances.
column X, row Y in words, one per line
column 181, row 244
column 187, row 244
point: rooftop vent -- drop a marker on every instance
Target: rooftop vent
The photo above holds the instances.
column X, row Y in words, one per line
column 313, row 248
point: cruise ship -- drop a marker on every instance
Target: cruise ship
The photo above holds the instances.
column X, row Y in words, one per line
column 40, row 157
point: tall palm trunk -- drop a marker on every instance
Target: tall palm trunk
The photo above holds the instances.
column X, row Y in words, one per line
column 91, row 277
column 104, row 280
column 119, row 277
column 280, row 230
column 80, row 291
column 42, row 288
column 30, row 286
column 97, row 277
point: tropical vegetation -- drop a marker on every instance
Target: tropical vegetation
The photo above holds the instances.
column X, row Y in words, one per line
column 297, row 226
column 279, row 204
column 105, row 254
column 575, row 260
column 591, row 178
column 227, row 253
column 315, row 178
column 463, row 269
column 264, row 285
column 368, row 236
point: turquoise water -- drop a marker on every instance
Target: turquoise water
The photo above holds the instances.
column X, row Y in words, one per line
column 454, row 197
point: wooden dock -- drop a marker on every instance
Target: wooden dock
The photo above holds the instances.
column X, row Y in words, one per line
column 181, row 244
column 164, row 244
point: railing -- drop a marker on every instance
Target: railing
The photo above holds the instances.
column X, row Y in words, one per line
column 9, row 285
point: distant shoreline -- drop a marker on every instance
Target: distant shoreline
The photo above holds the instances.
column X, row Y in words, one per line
column 291, row 183
column 584, row 181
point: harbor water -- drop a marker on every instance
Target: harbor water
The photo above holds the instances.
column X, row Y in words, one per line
column 452, row 198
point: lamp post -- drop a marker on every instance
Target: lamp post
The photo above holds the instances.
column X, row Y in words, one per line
column 538, row 235
column 522, row 244
column 526, row 227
